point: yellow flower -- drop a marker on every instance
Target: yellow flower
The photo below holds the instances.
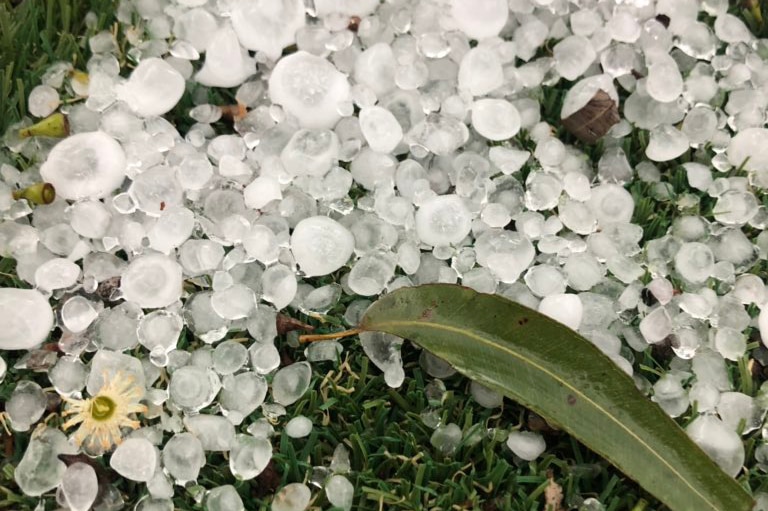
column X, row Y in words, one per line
column 101, row 416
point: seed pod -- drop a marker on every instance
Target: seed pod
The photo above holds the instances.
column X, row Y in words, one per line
column 38, row 193
column 55, row 125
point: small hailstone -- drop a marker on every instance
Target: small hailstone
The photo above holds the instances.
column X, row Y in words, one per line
column 443, row 220
column 43, row 101
column 298, row 427
column 292, row 497
column 152, row 280
column 495, row 119
column 380, row 128
column 340, row 492
column 666, row 143
column 526, row 444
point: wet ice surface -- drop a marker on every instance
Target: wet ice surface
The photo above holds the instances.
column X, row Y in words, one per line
column 375, row 146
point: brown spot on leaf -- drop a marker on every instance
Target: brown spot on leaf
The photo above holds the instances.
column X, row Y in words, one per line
column 594, row 119
column 571, row 400
column 522, row 321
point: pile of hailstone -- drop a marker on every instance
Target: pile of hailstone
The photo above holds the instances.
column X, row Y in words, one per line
column 375, row 145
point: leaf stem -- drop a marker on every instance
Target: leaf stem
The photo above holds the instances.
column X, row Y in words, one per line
column 325, row 337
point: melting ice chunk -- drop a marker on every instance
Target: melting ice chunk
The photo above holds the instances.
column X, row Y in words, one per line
column 227, row 64
column 380, row 128
column 79, row 486
column 291, row 382
column 135, row 459
column 384, row 351
column 321, row 245
column 443, row 220
column 183, row 457
column 310, row 88
column 85, row 166
column 40, row 470
column 721, row 443
column 26, row 318
column 267, row 25
column 154, row 88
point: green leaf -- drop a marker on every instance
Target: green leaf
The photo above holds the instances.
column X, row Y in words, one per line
column 562, row 376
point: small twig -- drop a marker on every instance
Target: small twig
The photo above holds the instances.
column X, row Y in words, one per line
column 331, row 336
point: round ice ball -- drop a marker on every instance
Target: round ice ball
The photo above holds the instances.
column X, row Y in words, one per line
column 152, row 281
column 85, row 166
column 310, row 88
column 154, row 88
column 321, row 245
column 443, row 220
column 495, row 119
column 26, row 318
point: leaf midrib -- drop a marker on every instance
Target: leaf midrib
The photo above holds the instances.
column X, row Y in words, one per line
column 382, row 326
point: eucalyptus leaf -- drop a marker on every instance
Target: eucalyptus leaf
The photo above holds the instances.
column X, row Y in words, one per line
column 559, row 374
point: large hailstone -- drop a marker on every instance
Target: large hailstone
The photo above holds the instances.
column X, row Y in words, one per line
column 321, row 245
column 310, row 88
column 26, row 318
column 443, row 220
column 85, row 166
column 268, row 25
column 227, row 64
column 154, row 88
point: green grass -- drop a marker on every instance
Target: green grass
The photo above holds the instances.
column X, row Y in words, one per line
column 394, row 467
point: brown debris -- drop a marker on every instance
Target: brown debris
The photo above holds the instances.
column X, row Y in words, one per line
column 267, row 482
column 594, row 120
column 287, row 324
column 553, row 494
